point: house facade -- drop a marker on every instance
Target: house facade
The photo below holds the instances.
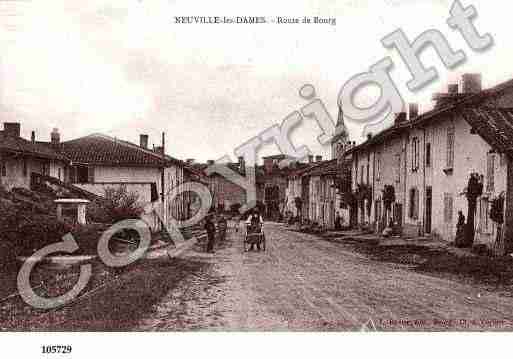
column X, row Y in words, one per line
column 322, row 199
column 98, row 162
column 427, row 161
column 271, row 186
column 294, row 190
column 19, row 158
column 225, row 193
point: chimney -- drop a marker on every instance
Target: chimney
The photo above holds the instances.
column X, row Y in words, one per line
column 189, row 161
column 318, row 158
column 471, row 83
column 12, row 129
column 400, row 118
column 143, row 141
column 33, row 136
column 413, row 109
column 452, row 89
column 242, row 165
column 210, row 162
column 55, row 137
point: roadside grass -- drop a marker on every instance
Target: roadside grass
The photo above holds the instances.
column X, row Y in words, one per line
column 492, row 273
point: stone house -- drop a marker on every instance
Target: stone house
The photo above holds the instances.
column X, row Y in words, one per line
column 19, row 158
column 225, row 193
column 428, row 159
column 294, row 187
column 98, row 162
column 322, row 200
column 271, row 186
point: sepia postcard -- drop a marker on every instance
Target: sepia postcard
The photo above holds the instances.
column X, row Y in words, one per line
column 278, row 167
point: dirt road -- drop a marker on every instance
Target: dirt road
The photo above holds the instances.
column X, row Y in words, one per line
column 298, row 283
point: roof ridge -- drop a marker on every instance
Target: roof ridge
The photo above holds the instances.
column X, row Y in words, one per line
column 481, row 95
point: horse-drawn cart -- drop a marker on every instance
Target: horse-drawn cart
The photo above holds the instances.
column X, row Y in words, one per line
column 254, row 236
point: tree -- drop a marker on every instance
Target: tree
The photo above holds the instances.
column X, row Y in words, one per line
column 473, row 192
column 116, row 205
column 497, row 215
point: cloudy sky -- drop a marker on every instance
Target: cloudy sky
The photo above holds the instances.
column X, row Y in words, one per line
column 125, row 68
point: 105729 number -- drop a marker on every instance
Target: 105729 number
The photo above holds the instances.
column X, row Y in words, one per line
column 56, row 349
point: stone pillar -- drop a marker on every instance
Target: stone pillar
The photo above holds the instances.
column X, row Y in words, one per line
column 81, row 213
column 59, row 212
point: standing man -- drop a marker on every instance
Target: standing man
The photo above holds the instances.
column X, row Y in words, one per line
column 255, row 224
column 338, row 222
column 210, row 227
column 222, row 226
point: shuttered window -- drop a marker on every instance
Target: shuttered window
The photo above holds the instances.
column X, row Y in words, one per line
column 450, row 147
column 490, row 175
column 378, row 166
column 448, row 207
column 428, row 154
column 414, row 204
column 398, row 168
column 90, row 174
column 414, row 154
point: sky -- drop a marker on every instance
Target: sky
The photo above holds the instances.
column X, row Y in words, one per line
column 125, row 68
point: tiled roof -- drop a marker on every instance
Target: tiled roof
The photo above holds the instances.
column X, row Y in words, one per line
column 470, row 101
column 201, row 167
column 22, row 146
column 100, row 149
column 494, row 125
column 301, row 168
column 324, row 168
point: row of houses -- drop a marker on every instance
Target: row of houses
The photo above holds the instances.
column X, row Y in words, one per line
column 413, row 174
column 421, row 165
column 96, row 162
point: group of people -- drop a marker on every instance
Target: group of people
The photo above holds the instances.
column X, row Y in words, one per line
column 254, row 222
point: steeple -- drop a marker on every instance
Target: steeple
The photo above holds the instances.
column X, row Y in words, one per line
column 340, row 138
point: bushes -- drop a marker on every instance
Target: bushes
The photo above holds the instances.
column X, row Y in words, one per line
column 24, row 232
column 235, row 207
column 116, row 205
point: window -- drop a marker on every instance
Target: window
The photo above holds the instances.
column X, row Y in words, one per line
column 82, row 174
column 450, row 148
column 90, row 174
column 367, row 173
column 24, row 167
column 398, row 168
column 448, row 204
column 45, row 169
column 428, row 154
column 59, row 173
column 361, row 174
column 378, row 166
column 414, row 154
column 490, row 167
column 414, row 204
column 4, row 170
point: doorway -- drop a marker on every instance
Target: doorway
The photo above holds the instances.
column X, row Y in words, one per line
column 429, row 205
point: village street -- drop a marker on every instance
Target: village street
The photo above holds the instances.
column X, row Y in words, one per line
column 299, row 283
